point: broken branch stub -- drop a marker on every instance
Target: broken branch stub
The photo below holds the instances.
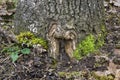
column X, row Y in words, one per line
column 66, row 34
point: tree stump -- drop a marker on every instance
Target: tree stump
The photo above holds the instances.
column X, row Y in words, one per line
column 68, row 21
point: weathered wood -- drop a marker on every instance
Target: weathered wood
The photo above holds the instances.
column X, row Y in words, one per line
column 74, row 18
column 56, row 33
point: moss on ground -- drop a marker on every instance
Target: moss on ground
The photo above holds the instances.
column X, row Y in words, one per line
column 85, row 47
column 30, row 39
column 108, row 77
column 69, row 74
column 90, row 44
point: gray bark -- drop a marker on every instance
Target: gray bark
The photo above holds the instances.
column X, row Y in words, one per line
column 85, row 16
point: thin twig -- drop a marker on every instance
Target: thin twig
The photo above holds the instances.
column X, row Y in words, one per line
column 1, row 61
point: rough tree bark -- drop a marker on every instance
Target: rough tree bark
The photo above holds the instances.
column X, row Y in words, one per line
column 63, row 22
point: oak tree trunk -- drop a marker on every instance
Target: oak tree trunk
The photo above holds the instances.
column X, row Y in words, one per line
column 64, row 23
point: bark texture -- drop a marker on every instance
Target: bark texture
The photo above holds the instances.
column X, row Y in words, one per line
column 57, row 35
column 74, row 18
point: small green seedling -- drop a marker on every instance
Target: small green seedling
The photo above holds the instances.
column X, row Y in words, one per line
column 14, row 52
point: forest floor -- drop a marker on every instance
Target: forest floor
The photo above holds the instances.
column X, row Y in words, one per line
column 38, row 66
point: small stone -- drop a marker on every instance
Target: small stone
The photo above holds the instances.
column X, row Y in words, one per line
column 116, row 52
column 100, row 73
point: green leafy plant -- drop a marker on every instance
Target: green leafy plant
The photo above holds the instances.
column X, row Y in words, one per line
column 30, row 39
column 25, row 51
column 14, row 51
column 14, row 56
column 27, row 38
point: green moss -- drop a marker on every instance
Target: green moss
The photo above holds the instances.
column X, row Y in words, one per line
column 84, row 75
column 89, row 45
column 15, row 2
column 100, row 37
column 99, row 41
column 97, row 77
column 69, row 74
column 30, row 39
column 85, row 47
column 40, row 41
column 103, row 28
